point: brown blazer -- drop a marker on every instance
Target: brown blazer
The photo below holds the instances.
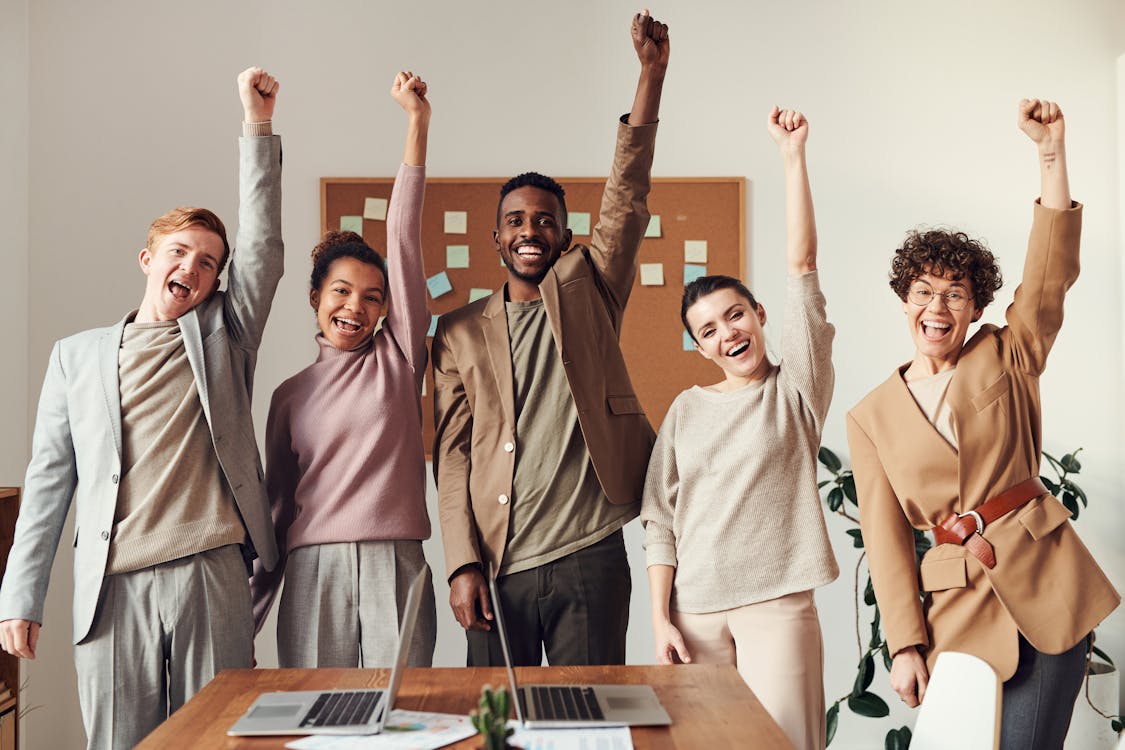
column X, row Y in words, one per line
column 1045, row 584
column 584, row 295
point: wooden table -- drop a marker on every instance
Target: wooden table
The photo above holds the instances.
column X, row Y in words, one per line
column 710, row 706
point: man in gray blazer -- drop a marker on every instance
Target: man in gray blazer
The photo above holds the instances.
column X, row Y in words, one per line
column 146, row 426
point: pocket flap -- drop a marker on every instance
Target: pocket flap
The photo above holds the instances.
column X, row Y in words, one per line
column 624, row 405
column 983, row 399
column 1044, row 517
column 938, row 575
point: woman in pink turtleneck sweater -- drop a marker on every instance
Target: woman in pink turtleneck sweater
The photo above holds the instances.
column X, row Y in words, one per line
column 345, row 462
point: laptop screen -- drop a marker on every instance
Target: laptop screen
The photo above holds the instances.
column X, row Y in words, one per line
column 499, row 615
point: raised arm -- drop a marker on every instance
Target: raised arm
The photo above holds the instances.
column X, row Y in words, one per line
column 1043, row 123
column 258, row 257
column 408, row 317
column 789, row 130
column 650, row 40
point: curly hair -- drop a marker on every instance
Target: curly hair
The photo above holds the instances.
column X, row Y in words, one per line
column 335, row 245
column 536, row 180
column 948, row 253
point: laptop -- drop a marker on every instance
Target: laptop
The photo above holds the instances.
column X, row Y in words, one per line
column 359, row 711
column 574, row 706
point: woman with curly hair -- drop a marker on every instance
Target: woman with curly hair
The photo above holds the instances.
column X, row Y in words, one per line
column 951, row 443
column 345, row 464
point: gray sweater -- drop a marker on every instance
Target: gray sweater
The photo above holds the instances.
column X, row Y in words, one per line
column 730, row 498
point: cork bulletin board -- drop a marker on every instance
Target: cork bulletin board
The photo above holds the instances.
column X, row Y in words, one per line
column 698, row 228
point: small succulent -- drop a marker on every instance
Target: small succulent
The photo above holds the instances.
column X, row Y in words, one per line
column 491, row 718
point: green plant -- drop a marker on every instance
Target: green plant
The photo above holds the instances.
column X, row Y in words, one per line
column 491, row 718
column 860, row 699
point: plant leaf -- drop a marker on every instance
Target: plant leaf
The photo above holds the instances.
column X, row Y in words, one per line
column 849, row 488
column 865, row 675
column 869, row 593
column 868, row 704
column 1070, row 464
column 829, row 459
column 831, row 719
column 857, row 538
column 876, row 631
column 1052, row 487
column 1071, row 505
column 1117, row 725
column 835, row 499
column 887, row 660
column 821, row 483
column 1102, row 655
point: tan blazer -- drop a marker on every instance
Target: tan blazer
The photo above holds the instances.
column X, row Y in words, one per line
column 584, row 295
column 1045, row 583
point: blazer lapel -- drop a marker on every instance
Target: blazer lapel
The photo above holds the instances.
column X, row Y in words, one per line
column 193, row 347
column 108, row 367
column 917, row 423
column 494, row 325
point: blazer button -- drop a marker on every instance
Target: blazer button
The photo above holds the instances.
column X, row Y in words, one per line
column 503, row 499
column 508, row 447
column 105, row 536
column 113, row 479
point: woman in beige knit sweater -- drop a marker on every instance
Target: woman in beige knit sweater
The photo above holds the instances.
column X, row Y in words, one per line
column 734, row 535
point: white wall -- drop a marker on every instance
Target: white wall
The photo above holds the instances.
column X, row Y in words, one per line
column 133, row 110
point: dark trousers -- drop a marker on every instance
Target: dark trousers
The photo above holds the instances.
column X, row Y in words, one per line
column 1039, row 698
column 577, row 608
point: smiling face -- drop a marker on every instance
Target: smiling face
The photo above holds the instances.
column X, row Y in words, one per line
column 182, row 270
column 938, row 331
column 349, row 302
column 728, row 331
column 531, row 235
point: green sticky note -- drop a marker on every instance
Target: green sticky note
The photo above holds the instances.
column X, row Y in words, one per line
column 477, row 293
column 456, row 256
column 578, row 222
column 689, row 342
column 352, row 224
column 653, row 229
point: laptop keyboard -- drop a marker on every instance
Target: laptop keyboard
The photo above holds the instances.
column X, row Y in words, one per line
column 553, row 702
column 342, row 709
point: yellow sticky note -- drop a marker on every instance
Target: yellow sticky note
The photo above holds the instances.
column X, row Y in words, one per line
column 695, row 251
column 375, row 208
column 652, row 274
column 456, row 222
column 653, row 229
column 456, row 256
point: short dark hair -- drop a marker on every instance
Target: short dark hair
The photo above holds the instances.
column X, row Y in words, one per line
column 705, row 285
column 536, row 180
column 949, row 253
column 335, row 245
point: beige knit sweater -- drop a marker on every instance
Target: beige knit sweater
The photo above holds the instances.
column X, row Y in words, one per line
column 731, row 499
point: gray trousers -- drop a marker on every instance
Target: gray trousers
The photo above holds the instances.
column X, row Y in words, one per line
column 576, row 608
column 342, row 604
column 1038, row 699
column 159, row 635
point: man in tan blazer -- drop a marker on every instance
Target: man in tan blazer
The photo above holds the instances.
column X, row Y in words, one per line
column 541, row 445
column 954, row 429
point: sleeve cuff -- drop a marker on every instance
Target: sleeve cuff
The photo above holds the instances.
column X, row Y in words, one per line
column 257, row 129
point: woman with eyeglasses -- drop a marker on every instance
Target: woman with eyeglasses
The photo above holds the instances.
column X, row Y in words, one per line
column 951, row 443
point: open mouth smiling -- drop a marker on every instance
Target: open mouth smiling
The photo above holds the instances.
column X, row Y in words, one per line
column 179, row 289
column 935, row 330
column 738, row 349
column 530, row 251
column 346, row 325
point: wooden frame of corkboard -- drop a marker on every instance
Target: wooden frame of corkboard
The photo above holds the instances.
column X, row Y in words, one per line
column 690, row 208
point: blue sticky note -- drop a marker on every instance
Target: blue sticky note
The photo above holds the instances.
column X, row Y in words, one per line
column 433, row 326
column 693, row 272
column 438, row 284
column 352, row 224
column 689, row 342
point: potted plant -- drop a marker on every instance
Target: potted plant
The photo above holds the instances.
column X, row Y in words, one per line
column 491, row 718
column 1101, row 676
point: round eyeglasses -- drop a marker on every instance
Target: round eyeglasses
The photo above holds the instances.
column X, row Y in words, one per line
column 955, row 299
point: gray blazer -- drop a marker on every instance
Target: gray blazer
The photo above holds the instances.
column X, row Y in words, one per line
column 76, row 450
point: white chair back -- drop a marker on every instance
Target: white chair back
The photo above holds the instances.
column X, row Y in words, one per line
column 961, row 708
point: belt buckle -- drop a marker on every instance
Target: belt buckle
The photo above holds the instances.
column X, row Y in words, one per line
column 976, row 516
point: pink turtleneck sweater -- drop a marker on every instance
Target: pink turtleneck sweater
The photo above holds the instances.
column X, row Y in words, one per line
column 344, row 454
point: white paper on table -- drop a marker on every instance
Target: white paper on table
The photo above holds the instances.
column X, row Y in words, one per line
column 602, row 738
column 406, row 730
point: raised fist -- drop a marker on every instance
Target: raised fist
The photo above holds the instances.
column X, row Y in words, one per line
column 650, row 39
column 1041, row 120
column 788, row 128
column 258, row 91
column 409, row 91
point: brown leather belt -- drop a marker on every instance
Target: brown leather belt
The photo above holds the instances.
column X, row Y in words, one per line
column 966, row 528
